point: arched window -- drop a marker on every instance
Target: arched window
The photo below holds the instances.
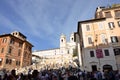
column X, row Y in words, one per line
column 61, row 40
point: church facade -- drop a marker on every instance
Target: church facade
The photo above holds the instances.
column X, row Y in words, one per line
column 58, row 57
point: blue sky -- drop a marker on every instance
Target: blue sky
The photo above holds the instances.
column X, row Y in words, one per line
column 43, row 21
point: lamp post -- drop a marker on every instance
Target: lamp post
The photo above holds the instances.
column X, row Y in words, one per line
column 98, row 52
column 36, row 64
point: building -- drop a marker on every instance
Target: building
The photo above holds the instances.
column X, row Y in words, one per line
column 99, row 39
column 62, row 56
column 15, row 51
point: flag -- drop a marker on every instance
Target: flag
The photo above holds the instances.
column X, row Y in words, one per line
column 99, row 53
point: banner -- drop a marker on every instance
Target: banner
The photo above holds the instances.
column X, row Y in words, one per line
column 99, row 53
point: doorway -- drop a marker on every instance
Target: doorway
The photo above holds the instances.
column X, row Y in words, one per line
column 94, row 68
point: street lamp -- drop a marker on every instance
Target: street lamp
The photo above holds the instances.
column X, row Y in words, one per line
column 98, row 52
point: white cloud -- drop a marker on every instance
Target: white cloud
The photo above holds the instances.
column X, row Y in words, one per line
column 43, row 19
column 42, row 16
column 8, row 23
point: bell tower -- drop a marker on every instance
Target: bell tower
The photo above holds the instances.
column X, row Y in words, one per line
column 63, row 41
column 72, row 37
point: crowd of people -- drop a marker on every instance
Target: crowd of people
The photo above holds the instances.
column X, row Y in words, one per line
column 61, row 74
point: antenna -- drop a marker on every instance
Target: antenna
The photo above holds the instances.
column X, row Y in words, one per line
column 108, row 4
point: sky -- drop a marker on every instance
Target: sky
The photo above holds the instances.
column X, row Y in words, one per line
column 43, row 21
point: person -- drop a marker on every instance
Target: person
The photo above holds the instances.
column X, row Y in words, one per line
column 72, row 77
column 54, row 77
column 111, row 75
column 35, row 74
column 103, row 77
column 5, row 77
column 13, row 75
column 0, row 77
column 80, row 74
column 99, row 75
column 93, row 76
column 106, row 75
column 21, row 76
column 117, row 75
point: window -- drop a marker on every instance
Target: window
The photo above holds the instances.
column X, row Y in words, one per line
column 29, row 56
column 92, row 54
column 4, row 40
column 68, row 52
column 19, row 52
column 12, row 41
column 114, row 39
column 29, row 48
column 108, row 15
column 89, row 40
column 20, row 44
column 119, row 23
column 101, row 26
column 111, row 25
column 8, row 61
column 25, row 54
column 72, row 39
column 0, row 61
column 16, row 33
column 103, row 39
column 61, row 40
column 10, row 50
column 2, row 50
column 116, row 51
column 87, row 27
column 117, row 14
column 26, row 47
column 17, row 63
column 99, row 15
column 106, row 52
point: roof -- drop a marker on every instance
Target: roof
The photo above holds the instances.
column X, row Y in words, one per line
column 19, row 34
column 4, row 35
column 114, row 6
column 90, row 20
column 46, row 49
column 109, row 8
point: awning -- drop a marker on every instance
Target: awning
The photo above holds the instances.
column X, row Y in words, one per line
column 107, row 66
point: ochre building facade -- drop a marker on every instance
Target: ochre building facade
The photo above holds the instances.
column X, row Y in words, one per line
column 15, row 51
column 100, row 39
